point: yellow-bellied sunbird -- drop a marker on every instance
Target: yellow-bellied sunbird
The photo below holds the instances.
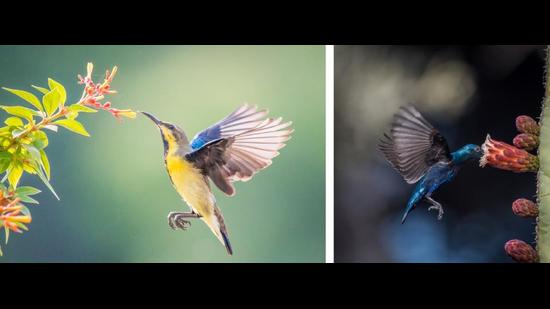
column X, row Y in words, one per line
column 234, row 149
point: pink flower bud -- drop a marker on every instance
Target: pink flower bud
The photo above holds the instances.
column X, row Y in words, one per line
column 526, row 124
column 525, row 208
column 520, row 251
column 526, row 141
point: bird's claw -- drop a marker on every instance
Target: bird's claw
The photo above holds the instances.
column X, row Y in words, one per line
column 177, row 221
column 438, row 208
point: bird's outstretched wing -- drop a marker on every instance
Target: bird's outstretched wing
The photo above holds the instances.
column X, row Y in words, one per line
column 413, row 145
column 238, row 146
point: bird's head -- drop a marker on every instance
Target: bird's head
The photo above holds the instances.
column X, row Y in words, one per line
column 467, row 153
column 172, row 135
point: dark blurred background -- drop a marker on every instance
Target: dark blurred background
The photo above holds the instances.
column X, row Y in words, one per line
column 467, row 92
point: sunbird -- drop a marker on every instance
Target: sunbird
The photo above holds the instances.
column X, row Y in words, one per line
column 421, row 154
column 233, row 149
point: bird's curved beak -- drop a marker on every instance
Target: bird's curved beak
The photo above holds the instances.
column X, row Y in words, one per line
column 153, row 118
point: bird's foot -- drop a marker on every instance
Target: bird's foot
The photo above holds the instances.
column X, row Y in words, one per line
column 439, row 208
column 176, row 220
column 435, row 205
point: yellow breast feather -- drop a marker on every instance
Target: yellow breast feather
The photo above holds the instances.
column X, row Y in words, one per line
column 191, row 185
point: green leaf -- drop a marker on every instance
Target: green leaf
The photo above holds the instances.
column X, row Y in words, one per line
column 62, row 93
column 81, row 108
column 17, row 132
column 4, row 164
column 20, row 111
column 51, row 101
column 27, row 96
column 41, row 89
column 26, row 190
column 45, row 163
column 25, row 211
column 45, row 181
column 27, row 199
column 40, row 139
column 5, row 155
column 14, row 173
column 51, row 127
column 73, row 125
column 14, row 122
column 7, row 234
column 22, row 226
column 6, row 175
column 71, row 115
column 29, row 168
column 35, row 154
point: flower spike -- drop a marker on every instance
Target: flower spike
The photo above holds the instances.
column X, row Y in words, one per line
column 526, row 141
column 520, row 251
column 507, row 157
column 525, row 208
column 526, row 124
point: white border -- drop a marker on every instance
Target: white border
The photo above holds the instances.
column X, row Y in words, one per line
column 329, row 153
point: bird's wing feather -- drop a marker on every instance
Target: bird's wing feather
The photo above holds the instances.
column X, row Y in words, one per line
column 413, row 145
column 239, row 146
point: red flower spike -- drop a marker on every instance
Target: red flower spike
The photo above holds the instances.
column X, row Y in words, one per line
column 520, row 251
column 525, row 208
column 507, row 157
column 94, row 93
column 526, row 141
column 526, row 124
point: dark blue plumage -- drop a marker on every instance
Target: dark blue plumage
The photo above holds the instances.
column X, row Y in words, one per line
column 421, row 154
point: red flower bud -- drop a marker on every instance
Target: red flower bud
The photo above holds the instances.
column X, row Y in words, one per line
column 94, row 93
column 526, row 124
column 526, row 141
column 525, row 208
column 520, row 251
column 507, row 157
column 89, row 90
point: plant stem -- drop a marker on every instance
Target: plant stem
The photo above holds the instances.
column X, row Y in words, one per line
column 543, row 177
column 45, row 121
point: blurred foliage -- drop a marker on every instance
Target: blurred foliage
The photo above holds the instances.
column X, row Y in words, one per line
column 23, row 141
column 115, row 190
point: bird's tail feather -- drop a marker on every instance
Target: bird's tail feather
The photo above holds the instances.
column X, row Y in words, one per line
column 409, row 209
column 216, row 223
column 227, row 243
column 417, row 196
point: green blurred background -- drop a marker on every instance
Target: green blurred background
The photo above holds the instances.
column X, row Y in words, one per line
column 115, row 192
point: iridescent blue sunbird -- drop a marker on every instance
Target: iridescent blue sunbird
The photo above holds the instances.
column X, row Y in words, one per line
column 233, row 149
column 421, row 154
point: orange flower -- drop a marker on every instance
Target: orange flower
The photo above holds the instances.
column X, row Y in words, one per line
column 12, row 208
column 22, row 219
column 12, row 226
column 11, row 218
column 123, row 113
column 507, row 157
column 11, row 221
